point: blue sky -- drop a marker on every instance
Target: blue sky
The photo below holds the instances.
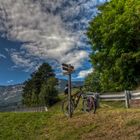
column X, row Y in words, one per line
column 33, row 32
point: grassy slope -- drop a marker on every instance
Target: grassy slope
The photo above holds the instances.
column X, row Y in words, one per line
column 109, row 123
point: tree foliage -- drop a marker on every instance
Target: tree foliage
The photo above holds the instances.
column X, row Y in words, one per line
column 115, row 37
column 40, row 88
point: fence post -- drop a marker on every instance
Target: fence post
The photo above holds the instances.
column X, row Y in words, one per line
column 130, row 98
column 127, row 99
column 98, row 100
column 84, row 102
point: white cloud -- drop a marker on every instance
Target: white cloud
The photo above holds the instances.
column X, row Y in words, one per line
column 6, row 49
column 45, row 32
column 84, row 73
column 24, row 62
column 10, row 81
column 2, row 56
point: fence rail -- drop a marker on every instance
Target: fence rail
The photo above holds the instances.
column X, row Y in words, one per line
column 127, row 96
column 135, row 96
column 112, row 97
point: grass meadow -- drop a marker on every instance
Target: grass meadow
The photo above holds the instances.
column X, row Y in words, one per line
column 112, row 121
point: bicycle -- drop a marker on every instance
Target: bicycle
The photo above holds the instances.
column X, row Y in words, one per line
column 74, row 102
column 87, row 105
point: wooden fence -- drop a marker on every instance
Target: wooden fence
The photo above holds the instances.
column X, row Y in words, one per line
column 32, row 109
column 128, row 97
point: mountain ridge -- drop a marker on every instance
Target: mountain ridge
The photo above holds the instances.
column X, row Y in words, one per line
column 11, row 95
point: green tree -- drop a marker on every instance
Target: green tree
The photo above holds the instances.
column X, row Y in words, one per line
column 37, row 89
column 115, row 37
column 92, row 82
column 42, row 95
column 27, row 92
column 52, row 92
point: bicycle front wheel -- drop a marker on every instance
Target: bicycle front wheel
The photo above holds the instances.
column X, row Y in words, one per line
column 65, row 107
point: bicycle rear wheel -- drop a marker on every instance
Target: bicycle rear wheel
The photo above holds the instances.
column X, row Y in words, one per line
column 65, row 107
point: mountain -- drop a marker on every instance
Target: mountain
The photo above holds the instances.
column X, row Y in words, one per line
column 10, row 96
column 62, row 83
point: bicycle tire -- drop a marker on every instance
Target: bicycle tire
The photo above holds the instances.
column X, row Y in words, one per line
column 90, row 105
column 65, row 105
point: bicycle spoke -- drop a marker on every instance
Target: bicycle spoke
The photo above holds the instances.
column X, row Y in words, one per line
column 65, row 107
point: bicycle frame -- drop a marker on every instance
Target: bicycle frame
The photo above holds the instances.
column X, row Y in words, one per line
column 87, row 106
column 74, row 102
column 76, row 99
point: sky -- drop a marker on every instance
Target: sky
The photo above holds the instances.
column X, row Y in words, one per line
column 36, row 31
